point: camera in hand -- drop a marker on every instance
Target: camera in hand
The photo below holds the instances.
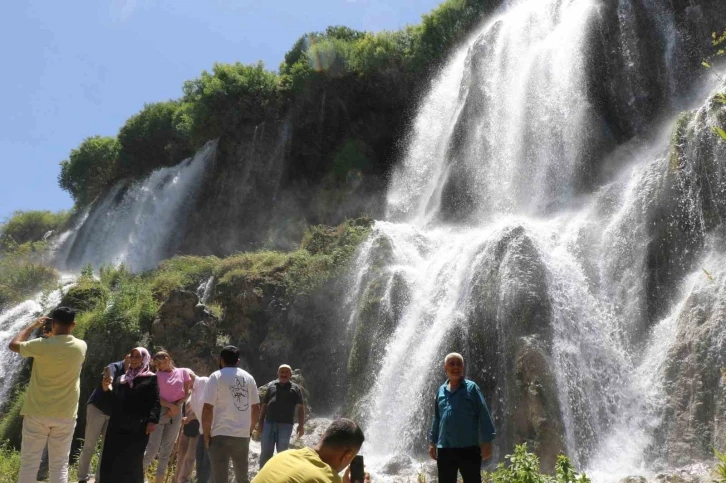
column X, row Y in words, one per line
column 47, row 325
column 357, row 473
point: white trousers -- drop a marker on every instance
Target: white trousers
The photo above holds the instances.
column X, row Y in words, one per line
column 58, row 434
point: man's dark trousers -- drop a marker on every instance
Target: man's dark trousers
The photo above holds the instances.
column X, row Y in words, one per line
column 465, row 460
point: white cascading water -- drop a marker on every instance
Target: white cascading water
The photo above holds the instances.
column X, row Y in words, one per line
column 507, row 120
column 140, row 224
column 18, row 317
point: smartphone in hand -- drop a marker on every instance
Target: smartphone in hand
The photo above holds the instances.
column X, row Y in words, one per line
column 357, row 473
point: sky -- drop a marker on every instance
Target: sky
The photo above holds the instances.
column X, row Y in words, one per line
column 81, row 68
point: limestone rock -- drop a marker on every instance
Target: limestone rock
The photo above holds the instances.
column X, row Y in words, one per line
column 399, row 464
column 188, row 330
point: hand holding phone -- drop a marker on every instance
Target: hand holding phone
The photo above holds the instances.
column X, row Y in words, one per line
column 357, row 473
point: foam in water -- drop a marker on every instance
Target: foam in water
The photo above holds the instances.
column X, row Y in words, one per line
column 139, row 224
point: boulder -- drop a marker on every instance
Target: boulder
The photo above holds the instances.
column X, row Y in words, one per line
column 188, row 331
column 399, row 464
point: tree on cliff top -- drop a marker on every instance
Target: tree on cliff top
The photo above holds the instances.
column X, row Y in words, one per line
column 89, row 168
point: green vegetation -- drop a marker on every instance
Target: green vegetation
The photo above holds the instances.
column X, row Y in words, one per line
column 9, row 464
column 149, row 140
column 380, row 71
column 22, row 252
column 322, row 254
column 523, row 467
column 183, row 272
column 29, row 226
column 720, row 466
column 89, row 168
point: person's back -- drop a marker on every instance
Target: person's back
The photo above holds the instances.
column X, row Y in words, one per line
column 51, row 401
column 297, row 466
column 231, row 403
column 54, row 387
column 321, row 464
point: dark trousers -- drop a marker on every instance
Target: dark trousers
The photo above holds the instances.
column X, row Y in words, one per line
column 122, row 459
column 222, row 449
column 467, row 461
column 204, row 467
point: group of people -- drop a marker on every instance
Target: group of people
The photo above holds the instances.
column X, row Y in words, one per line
column 143, row 404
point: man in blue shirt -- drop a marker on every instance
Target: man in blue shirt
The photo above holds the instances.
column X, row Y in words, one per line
column 462, row 429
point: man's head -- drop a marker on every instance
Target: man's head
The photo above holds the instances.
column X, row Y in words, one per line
column 284, row 373
column 63, row 321
column 229, row 357
column 454, row 367
column 340, row 443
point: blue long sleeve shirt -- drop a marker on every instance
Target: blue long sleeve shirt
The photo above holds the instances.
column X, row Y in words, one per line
column 461, row 418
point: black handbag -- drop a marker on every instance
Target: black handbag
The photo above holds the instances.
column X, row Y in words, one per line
column 191, row 429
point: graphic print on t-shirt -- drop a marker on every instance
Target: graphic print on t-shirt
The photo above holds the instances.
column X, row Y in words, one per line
column 239, row 393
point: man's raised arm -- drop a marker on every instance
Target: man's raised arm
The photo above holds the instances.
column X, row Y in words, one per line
column 24, row 334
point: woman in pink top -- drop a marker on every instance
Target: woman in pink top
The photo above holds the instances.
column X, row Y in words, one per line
column 174, row 386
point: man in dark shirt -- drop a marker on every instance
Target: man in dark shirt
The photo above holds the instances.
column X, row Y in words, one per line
column 98, row 411
column 462, row 429
column 277, row 413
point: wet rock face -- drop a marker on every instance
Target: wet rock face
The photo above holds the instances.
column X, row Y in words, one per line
column 512, row 312
column 690, row 204
column 696, row 394
column 271, row 327
column 188, row 331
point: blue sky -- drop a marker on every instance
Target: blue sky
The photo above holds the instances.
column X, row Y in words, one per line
column 79, row 68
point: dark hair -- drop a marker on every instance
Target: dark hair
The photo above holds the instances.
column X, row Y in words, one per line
column 343, row 433
column 230, row 355
column 64, row 315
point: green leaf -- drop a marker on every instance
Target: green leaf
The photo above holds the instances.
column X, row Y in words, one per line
column 706, row 65
column 719, row 131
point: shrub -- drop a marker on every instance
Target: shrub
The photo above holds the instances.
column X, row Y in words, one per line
column 150, row 139
column 523, row 467
column 9, row 464
column 11, row 425
column 30, row 226
column 323, row 253
column 184, row 272
column 20, row 278
column 89, row 168
column 225, row 99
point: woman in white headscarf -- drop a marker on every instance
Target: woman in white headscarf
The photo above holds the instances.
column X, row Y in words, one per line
column 135, row 414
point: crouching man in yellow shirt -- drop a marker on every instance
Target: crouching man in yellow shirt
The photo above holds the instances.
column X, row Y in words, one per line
column 320, row 464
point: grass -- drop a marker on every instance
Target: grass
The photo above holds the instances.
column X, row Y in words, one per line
column 323, row 253
column 9, row 464
column 30, row 226
column 183, row 272
column 22, row 277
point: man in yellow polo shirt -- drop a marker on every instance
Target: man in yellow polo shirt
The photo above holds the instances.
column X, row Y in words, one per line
column 51, row 402
column 320, row 464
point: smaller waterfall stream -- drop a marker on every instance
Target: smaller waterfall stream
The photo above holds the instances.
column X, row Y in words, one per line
column 18, row 317
column 139, row 224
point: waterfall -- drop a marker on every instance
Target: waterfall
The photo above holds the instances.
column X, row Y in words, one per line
column 505, row 242
column 137, row 224
column 17, row 318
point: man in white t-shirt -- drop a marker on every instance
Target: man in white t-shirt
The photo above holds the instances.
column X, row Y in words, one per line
column 231, row 403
